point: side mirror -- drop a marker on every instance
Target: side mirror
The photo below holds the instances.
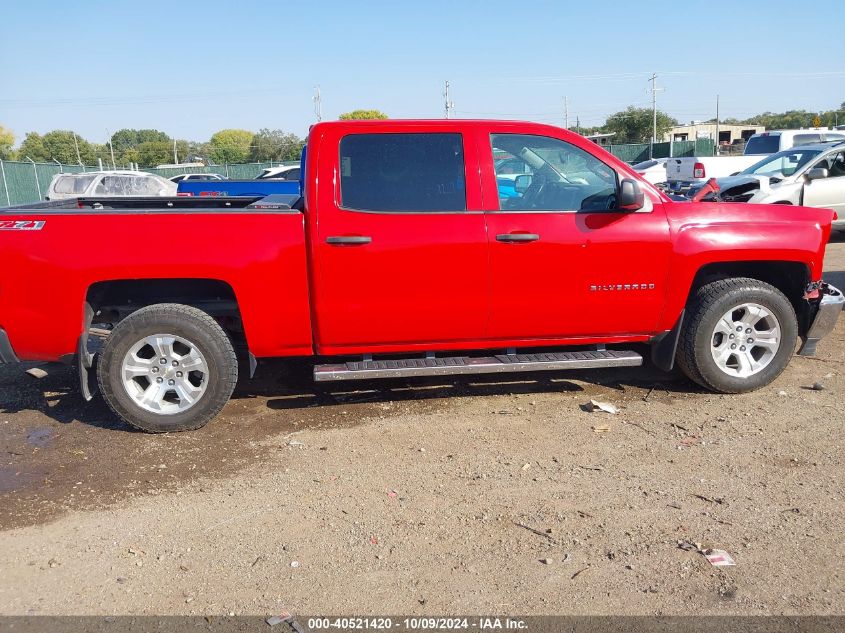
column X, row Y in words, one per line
column 817, row 173
column 631, row 197
column 522, row 182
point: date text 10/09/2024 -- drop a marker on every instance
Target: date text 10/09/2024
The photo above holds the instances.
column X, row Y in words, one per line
column 423, row 623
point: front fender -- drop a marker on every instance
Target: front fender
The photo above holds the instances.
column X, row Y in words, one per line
column 711, row 233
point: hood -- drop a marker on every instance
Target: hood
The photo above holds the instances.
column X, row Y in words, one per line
column 738, row 188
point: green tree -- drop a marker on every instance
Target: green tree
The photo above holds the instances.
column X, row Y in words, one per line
column 275, row 145
column 126, row 144
column 231, row 146
column 783, row 121
column 585, row 131
column 7, row 141
column 57, row 145
column 33, row 147
column 634, row 125
column 152, row 153
column 362, row 115
column 102, row 152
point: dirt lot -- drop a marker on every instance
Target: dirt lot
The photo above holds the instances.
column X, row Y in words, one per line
column 476, row 495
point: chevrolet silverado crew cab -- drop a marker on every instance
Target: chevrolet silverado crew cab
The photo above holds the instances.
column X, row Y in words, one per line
column 407, row 254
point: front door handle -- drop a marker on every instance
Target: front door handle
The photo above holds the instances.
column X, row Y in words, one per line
column 517, row 237
column 349, row 240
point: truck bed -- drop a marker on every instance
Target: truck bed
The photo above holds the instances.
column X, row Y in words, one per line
column 254, row 246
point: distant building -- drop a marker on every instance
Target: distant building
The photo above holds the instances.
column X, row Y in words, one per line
column 601, row 139
column 728, row 134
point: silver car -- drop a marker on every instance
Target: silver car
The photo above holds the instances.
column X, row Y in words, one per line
column 108, row 184
column 809, row 175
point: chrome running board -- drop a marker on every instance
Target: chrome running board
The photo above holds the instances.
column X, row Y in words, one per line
column 503, row 363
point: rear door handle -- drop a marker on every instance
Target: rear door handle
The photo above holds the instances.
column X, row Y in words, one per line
column 349, row 240
column 517, row 237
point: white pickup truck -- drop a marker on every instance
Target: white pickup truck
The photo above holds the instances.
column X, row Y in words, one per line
column 683, row 173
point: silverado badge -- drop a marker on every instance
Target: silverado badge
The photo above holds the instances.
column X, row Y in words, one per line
column 609, row 287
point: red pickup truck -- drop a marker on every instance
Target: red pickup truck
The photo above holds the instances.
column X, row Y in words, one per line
column 417, row 248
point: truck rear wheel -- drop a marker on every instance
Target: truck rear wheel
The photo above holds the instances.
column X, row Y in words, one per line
column 167, row 367
column 738, row 335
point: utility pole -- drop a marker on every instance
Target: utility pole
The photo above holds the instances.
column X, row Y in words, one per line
column 566, row 112
column 318, row 104
column 717, row 125
column 578, row 124
column 448, row 103
column 111, row 149
column 76, row 144
column 175, row 157
column 654, row 91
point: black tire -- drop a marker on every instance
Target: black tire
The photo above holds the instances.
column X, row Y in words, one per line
column 704, row 311
column 177, row 320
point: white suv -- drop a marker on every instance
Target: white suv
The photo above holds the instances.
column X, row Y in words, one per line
column 108, row 184
column 807, row 175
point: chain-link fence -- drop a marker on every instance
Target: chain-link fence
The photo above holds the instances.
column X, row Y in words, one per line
column 27, row 182
column 638, row 152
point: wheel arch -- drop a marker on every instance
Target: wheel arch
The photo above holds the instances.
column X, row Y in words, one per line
column 112, row 300
column 790, row 277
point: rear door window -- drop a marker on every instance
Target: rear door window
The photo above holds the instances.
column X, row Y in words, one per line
column 763, row 144
column 114, row 186
column 144, row 186
column 414, row 172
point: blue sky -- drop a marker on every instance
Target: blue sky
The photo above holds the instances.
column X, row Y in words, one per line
column 190, row 68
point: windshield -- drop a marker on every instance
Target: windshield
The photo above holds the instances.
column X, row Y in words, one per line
column 768, row 144
column 782, row 164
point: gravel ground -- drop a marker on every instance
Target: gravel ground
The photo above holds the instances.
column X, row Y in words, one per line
column 469, row 495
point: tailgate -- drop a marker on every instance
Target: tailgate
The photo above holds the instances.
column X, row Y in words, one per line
column 681, row 169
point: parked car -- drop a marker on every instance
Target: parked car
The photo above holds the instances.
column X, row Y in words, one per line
column 684, row 173
column 264, row 187
column 286, row 172
column 653, row 170
column 402, row 252
column 809, row 175
column 108, row 184
column 182, row 177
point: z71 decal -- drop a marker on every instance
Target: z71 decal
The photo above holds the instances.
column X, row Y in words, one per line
column 22, row 225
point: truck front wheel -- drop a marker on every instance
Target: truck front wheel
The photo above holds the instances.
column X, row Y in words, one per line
column 738, row 335
column 167, row 367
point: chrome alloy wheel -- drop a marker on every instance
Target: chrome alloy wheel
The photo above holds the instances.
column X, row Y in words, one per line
column 165, row 374
column 745, row 340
